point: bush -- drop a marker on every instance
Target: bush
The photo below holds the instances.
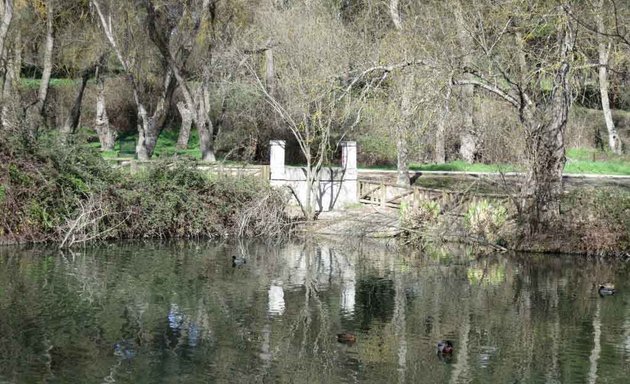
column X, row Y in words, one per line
column 414, row 220
column 486, row 220
column 599, row 219
column 68, row 194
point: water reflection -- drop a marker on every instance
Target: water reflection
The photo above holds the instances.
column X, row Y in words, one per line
column 181, row 312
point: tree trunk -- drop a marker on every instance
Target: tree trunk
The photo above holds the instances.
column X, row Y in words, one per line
column 72, row 122
column 270, row 75
column 545, row 145
column 106, row 136
column 10, row 79
column 203, row 122
column 184, row 131
column 36, row 113
column 468, row 136
column 142, row 152
column 6, row 7
column 199, row 104
column 614, row 141
column 402, row 128
column 440, row 151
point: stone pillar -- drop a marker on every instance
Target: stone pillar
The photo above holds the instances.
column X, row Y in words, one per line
column 349, row 159
column 349, row 185
column 276, row 159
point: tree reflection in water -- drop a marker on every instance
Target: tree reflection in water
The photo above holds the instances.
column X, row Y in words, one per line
column 180, row 312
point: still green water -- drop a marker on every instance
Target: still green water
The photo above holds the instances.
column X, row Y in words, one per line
column 180, row 313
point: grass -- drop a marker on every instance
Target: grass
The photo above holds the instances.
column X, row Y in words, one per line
column 166, row 146
column 54, row 83
column 459, row 165
column 582, row 160
column 579, row 160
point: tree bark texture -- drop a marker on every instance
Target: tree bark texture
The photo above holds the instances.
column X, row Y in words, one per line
column 10, row 78
column 106, row 136
column 468, row 135
column 199, row 104
column 36, row 113
column 72, row 121
column 614, row 142
column 545, row 151
column 440, row 150
column 270, row 75
column 402, row 128
column 184, row 131
column 7, row 17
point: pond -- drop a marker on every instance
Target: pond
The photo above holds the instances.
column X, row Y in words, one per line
column 181, row 312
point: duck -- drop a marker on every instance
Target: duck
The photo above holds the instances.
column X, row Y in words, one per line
column 125, row 350
column 444, row 347
column 238, row 261
column 606, row 289
column 347, row 338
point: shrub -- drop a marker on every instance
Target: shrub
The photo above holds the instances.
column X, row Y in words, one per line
column 599, row 219
column 68, row 194
column 414, row 220
column 485, row 220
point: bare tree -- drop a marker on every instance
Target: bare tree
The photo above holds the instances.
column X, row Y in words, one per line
column 468, row 135
column 8, row 77
column 149, row 126
column 603, row 51
column 543, row 116
column 197, row 103
column 106, row 135
column 35, row 113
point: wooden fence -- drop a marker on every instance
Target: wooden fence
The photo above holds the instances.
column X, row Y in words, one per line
column 218, row 169
column 392, row 196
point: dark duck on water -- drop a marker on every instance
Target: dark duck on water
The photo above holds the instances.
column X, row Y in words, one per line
column 238, row 261
column 444, row 347
column 346, row 338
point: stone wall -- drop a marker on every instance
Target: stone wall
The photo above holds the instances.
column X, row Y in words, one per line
column 338, row 186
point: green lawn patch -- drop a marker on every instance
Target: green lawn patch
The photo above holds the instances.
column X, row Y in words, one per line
column 579, row 161
column 54, row 83
column 589, row 161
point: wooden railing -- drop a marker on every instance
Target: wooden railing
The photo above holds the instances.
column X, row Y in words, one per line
column 218, row 169
column 392, row 196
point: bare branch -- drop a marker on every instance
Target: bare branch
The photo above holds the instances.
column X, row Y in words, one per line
column 491, row 88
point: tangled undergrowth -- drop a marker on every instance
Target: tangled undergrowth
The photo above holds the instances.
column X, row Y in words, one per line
column 69, row 194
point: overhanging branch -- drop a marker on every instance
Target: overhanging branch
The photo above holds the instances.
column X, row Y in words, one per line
column 490, row 88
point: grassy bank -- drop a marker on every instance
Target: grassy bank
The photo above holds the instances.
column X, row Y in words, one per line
column 593, row 221
column 69, row 194
column 579, row 160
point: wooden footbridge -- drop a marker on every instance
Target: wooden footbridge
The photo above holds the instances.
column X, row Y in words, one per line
column 393, row 196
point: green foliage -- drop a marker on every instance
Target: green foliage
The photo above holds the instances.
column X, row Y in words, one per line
column 598, row 218
column 584, row 160
column 415, row 220
column 82, row 194
column 485, row 220
column 54, row 83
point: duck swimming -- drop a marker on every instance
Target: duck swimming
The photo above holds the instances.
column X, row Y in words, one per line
column 606, row 289
column 346, row 338
column 444, row 347
column 238, row 261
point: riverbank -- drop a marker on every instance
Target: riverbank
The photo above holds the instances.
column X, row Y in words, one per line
column 69, row 195
column 594, row 222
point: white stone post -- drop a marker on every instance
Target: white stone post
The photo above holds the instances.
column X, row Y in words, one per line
column 349, row 185
column 349, row 159
column 276, row 159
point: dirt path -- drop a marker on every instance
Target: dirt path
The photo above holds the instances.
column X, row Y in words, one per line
column 361, row 221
